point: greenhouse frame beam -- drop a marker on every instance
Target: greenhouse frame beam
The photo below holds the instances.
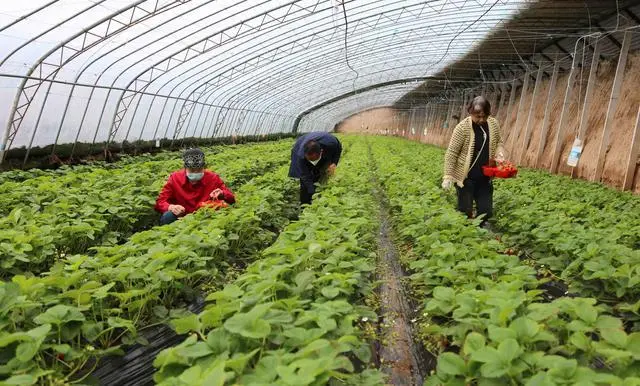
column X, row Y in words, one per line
column 143, row 79
column 302, row 60
column 53, row 60
column 293, row 44
column 102, row 56
column 349, row 94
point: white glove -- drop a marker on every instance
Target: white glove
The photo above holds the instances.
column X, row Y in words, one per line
column 501, row 155
column 447, row 184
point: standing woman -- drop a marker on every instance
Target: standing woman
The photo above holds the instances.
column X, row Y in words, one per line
column 475, row 141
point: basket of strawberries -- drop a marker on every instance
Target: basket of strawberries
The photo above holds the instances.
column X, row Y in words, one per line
column 213, row 204
column 500, row 169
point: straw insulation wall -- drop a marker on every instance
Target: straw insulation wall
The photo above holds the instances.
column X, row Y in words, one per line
column 438, row 133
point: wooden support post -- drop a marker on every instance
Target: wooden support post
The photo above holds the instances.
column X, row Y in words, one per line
column 447, row 119
column 503, row 95
column 492, row 98
column 463, row 108
column 633, row 155
column 586, row 109
column 527, row 132
column 564, row 117
column 613, row 104
column 516, row 127
column 547, row 112
column 512, row 100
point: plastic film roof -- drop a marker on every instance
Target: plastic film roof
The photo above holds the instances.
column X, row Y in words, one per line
column 125, row 70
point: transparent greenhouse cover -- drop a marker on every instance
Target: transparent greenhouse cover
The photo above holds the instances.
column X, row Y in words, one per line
column 96, row 70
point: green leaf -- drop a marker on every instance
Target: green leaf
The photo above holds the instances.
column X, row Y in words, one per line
column 444, row 293
column 486, row 354
column 581, row 341
column 60, row 314
column 187, row 324
column 473, row 343
column 498, row 334
column 617, row 338
column 587, row 313
column 525, row 328
column 330, row 292
column 315, row 247
column 250, row 324
column 609, row 322
column 451, row 364
column 540, row 379
column 21, row 380
column 26, row 351
column 494, row 369
column 509, row 350
column 238, row 362
column 303, row 279
column 196, row 350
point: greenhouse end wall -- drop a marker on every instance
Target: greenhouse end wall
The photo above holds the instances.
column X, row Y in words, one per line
column 623, row 126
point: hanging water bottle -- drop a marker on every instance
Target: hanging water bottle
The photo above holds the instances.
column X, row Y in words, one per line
column 574, row 154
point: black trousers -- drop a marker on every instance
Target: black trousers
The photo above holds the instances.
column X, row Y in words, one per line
column 318, row 176
column 305, row 196
column 478, row 191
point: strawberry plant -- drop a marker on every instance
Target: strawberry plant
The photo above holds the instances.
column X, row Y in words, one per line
column 482, row 309
column 88, row 306
column 97, row 208
column 293, row 318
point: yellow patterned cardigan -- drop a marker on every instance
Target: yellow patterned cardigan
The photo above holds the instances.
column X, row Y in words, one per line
column 457, row 160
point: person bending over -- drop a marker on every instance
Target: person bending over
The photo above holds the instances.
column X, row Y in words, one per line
column 313, row 157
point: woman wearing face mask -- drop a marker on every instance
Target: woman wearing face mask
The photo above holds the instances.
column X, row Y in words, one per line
column 187, row 188
column 314, row 156
column 475, row 141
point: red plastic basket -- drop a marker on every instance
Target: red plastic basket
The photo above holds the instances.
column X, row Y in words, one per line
column 503, row 169
column 214, row 204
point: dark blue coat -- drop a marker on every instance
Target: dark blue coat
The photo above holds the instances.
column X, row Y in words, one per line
column 305, row 170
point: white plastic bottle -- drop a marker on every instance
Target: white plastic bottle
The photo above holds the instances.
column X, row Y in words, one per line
column 574, row 154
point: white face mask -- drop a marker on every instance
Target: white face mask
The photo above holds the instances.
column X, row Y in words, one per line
column 314, row 163
column 193, row 177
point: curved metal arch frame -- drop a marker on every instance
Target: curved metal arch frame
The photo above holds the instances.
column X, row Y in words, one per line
column 417, row 5
column 410, row 31
column 86, row 39
column 182, row 56
column 327, row 118
column 338, row 112
column 234, row 68
column 102, row 56
column 307, row 58
column 181, row 93
column 262, row 110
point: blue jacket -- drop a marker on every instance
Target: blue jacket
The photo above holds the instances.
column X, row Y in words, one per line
column 305, row 170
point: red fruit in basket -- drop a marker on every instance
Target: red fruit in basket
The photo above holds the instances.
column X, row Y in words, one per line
column 214, row 204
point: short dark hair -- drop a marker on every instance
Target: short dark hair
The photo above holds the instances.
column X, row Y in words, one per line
column 479, row 103
column 312, row 147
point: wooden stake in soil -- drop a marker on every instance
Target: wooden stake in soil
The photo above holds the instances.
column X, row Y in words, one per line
column 633, row 156
column 515, row 131
column 547, row 112
column 613, row 104
column 564, row 117
column 527, row 131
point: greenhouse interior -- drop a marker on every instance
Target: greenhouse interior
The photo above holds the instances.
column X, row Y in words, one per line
column 320, row 192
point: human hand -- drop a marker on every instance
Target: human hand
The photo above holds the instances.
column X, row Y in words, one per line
column 331, row 169
column 447, row 184
column 176, row 209
column 216, row 194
